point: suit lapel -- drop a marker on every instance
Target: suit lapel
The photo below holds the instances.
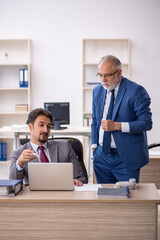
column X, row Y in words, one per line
column 101, row 101
column 29, row 145
column 120, row 94
column 53, row 151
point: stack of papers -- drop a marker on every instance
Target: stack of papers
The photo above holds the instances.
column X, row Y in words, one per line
column 120, row 193
column 88, row 187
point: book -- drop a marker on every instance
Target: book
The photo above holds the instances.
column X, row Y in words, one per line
column 21, row 78
column 10, row 187
column 21, row 108
column 89, row 121
column 93, row 83
column 3, row 151
column 85, row 122
column 25, row 79
column 118, row 193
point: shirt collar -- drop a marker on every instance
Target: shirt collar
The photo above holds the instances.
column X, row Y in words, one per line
column 35, row 146
column 117, row 87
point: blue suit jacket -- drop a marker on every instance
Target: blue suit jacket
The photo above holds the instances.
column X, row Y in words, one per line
column 132, row 106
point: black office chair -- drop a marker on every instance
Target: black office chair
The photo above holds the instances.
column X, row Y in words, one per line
column 77, row 147
column 153, row 145
column 23, row 141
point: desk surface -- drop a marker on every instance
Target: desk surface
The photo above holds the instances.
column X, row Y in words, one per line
column 145, row 192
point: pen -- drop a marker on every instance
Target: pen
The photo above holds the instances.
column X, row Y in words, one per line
column 37, row 156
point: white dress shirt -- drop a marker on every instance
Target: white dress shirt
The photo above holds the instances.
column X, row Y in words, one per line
column 125, row 125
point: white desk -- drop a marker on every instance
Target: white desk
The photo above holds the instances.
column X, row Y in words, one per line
column 70, row 131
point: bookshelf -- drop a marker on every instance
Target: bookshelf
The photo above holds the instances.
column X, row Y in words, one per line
column 93, row 51
column 14, row 55
column 15, row 101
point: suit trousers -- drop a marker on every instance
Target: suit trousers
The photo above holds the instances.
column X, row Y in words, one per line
column 109, row 168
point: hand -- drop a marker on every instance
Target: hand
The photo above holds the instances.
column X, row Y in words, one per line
column 26, row 156
column 109, row 125
column 77, row 182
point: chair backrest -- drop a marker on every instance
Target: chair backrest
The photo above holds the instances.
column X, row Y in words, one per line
column 78, row 149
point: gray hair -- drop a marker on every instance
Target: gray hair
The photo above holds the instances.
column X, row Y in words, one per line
column 113, row 60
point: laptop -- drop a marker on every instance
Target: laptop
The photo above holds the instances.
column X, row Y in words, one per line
column 50, row 176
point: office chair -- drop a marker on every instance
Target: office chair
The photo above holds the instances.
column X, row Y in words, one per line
column 23, row 141
column 78, row 149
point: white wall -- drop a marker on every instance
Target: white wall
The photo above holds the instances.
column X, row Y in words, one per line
column 57, row 27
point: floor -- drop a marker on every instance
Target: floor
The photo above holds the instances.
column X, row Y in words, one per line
column 4, row 174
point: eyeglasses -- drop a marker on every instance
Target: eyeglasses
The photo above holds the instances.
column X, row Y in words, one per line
column 106, row 74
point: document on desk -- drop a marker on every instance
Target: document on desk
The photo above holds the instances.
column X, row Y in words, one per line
column 88, row 187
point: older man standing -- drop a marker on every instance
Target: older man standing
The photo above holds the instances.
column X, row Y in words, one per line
column 121, row 116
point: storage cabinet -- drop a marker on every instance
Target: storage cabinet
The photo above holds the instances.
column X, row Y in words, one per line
column 14, row 55
column 93, row 51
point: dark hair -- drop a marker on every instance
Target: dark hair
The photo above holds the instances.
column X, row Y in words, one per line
column 37, row 112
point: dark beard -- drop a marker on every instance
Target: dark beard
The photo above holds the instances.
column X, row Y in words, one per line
column 42, row 140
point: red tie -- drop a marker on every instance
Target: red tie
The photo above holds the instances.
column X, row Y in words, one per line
column 43, row 156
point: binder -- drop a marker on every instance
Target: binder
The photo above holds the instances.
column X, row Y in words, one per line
column 10, row 187
column 1, row 154
column 25, row 79
column 113, row 193
column 4, row 151
column 85, row 122
column 21, row 77
column 89, row 121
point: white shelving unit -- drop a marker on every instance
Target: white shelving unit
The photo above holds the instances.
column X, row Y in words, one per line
column 14, row 54
column 93, row 51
